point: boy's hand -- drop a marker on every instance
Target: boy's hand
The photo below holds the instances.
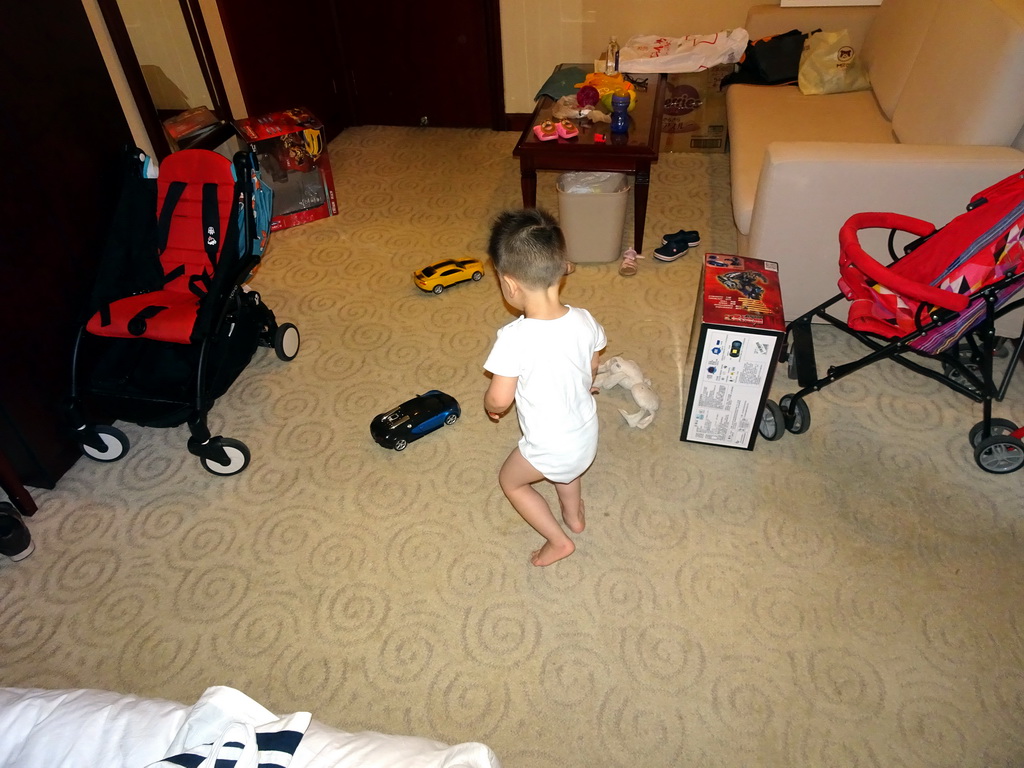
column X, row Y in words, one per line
column 496, row 416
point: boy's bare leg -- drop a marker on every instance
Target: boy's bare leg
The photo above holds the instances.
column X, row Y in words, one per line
column 569, row 496
column 516, row 478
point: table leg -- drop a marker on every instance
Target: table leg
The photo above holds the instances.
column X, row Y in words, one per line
column 528, row 181
column 641, row 186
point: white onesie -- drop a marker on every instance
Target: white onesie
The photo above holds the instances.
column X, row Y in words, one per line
column 557, row 413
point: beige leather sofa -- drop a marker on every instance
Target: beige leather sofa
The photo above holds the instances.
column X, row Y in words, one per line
column 944, row 119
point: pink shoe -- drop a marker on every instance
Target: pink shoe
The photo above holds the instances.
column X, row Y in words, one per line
column 566, row 129
column 546, row 131
column 628, row 266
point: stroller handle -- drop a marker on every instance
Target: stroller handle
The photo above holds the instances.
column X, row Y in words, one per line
column 851, row 254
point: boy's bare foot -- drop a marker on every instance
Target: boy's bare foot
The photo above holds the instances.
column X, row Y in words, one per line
column 551, row 553
column 575, row 522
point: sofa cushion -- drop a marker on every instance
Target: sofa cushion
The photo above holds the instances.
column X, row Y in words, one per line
column 761, row 114
column 966, row 82
column 891, row 46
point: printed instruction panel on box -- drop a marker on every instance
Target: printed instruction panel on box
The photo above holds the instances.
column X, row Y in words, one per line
column 727, row 398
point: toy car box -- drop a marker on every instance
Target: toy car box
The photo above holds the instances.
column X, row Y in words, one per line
column 292, row 152
column 738, row 327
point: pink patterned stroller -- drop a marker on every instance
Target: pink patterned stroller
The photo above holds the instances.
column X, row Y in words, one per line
column 939, row 301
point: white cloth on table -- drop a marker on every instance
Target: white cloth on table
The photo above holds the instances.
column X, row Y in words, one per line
column 692, row 53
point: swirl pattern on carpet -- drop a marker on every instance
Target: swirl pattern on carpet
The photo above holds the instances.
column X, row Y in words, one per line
column 852, row 596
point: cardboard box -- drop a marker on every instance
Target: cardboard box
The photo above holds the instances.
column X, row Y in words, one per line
column 738, row 327
column 190, row 122
column 693, row 118
column 292, row 152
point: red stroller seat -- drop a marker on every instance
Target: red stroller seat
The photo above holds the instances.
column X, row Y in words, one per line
column 195, row 200
column 947, row 270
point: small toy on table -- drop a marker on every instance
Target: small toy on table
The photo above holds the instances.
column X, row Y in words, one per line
column 567, row 129
column 546, row 131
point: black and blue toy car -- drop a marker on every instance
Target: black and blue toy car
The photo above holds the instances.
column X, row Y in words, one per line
column 414, row 418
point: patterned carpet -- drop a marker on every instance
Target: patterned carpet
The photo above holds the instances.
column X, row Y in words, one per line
column 850, row 597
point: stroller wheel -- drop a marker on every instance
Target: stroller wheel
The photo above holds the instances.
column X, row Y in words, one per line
column 115, row 444
column 798, row 420
column 286, row 342
column 996, row 427
column 238, row 457
column 1000, row 454
column 772, row 425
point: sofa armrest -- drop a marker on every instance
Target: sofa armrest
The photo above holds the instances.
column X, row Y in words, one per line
column 765, row 20
column 807, row 191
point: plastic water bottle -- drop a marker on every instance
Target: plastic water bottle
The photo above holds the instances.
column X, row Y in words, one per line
column 611, row 66
column 620, row 114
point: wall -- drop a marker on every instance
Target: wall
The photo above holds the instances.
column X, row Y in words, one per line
column 164, row 48
column 538, row 34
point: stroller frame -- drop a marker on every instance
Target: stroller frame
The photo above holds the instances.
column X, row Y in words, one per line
column 997, row 443
column 239, row 322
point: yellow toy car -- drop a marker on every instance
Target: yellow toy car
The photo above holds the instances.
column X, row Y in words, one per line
column 439, row 276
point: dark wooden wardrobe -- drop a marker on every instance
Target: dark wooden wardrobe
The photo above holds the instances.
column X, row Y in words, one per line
column 61, row 133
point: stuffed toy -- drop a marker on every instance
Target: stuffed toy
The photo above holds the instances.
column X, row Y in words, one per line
column 615, row 371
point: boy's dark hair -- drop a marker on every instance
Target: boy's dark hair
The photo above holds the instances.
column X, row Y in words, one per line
column 529, row 246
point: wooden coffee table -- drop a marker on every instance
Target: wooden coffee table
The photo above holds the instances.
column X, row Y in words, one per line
column 630, row 153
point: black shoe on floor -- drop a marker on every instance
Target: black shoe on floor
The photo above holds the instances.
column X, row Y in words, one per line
column 15, row 539
column 690, row 237
column 672, row 251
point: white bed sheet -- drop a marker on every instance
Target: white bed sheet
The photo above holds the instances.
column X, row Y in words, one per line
column 71, row 728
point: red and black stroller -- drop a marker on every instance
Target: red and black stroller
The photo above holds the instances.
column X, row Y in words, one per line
column 932, row 310
column 173, row 322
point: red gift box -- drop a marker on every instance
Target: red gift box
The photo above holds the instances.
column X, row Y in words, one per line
column 292, row 152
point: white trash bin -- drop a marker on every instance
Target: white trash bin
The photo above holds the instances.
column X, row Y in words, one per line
column 592, row 214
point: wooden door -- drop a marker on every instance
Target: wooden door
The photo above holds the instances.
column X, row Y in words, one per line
column 287, row 55
column 422, row 63
column 386, row 62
